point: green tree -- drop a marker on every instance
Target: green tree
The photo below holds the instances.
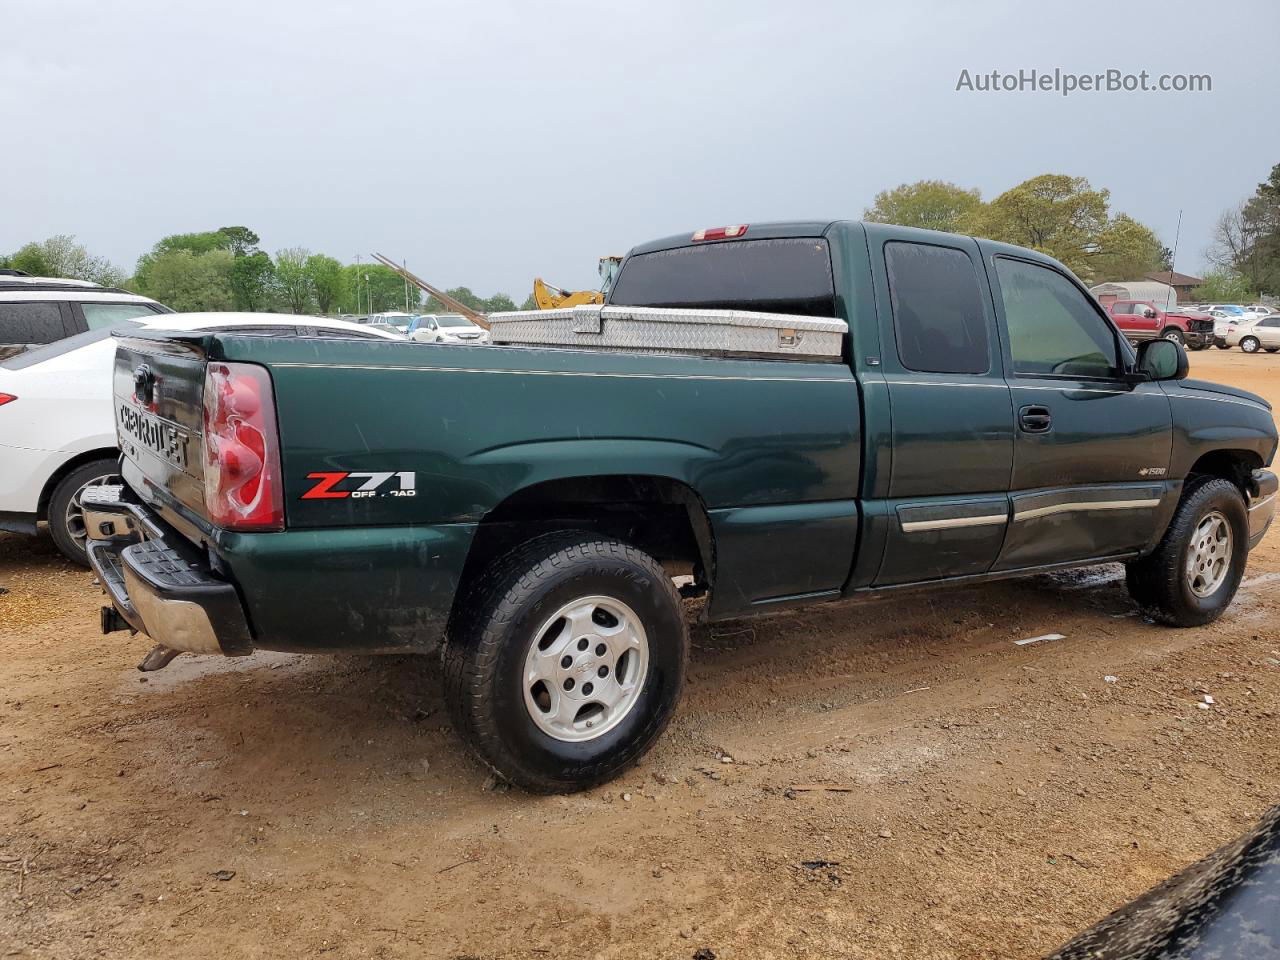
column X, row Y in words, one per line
column 241, row 241
column 1069, row 220
column 1224, row 286
column 1126, row 250
column 61, row 256
column 188, row 281
column 252, row 279
column 373, row 288
column 1247, row 238
column 30, row 259
column 529, row 303
column 293, row 281
column 930, row 204
column 1055, row 214
column 325, row 274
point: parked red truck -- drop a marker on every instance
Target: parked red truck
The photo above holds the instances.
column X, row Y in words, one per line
column 1142, row 320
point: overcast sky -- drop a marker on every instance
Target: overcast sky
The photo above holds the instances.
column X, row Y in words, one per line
column 491, row 141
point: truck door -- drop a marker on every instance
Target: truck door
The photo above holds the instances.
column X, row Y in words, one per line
column 946, row 505
column 1091, row 451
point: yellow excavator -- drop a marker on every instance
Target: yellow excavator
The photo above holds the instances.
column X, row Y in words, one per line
column 548, row 297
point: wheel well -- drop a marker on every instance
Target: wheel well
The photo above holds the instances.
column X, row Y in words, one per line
column 79, row 460
column 1233, row 465
column 665, row 518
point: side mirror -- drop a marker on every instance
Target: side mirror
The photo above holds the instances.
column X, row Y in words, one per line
column 1162, row 360
column 1148, row 313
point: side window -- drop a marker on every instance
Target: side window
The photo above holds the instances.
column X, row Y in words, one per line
column 1052, row 327
column 98, row 315
column 937, row 309
column 1124, row 308
column 31, row 323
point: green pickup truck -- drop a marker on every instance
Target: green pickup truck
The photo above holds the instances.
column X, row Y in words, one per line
column 527, row 510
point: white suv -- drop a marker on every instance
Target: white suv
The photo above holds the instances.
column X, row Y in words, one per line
column 39, row 310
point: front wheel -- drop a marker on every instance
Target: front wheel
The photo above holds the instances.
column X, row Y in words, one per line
column 1174, row 334
column 1192, row 576
column 66, row 516
column 1250, row 344
column 565, row 661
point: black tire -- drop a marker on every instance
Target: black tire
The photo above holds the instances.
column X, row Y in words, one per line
column 1196, row 347
column 1160, row 583
column 1222, row 346
column 1174, row 334
column 66, row 525
column 1272, row 349
column 496, row 625
column 1250, row 344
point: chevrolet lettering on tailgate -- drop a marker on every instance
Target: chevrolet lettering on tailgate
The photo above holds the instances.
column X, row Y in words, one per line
column 165, row 440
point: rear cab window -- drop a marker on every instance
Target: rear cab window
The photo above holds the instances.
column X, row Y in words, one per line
column 790, row 275
column 938, row 318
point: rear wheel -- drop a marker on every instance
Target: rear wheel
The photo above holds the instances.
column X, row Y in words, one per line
column 1174, row 334
column 1250, row 344
column 566, row 661
column 1192, row 576
column 66, row 516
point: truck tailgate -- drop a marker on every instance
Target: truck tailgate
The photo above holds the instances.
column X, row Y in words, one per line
column 157, row 389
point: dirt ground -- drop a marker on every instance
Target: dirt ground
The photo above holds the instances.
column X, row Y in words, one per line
column 989, row 800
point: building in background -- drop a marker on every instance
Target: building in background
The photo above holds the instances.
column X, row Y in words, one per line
column 1181, row 282
column 1161, row 294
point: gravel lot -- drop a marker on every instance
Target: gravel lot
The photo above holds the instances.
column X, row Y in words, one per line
column 979, row 799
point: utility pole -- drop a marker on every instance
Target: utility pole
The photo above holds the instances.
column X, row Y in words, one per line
column 356, row 308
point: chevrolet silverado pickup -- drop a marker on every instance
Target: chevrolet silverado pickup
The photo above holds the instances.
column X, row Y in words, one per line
column 526, row 510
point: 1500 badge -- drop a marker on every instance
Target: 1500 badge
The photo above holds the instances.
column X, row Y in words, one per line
column 338, row 485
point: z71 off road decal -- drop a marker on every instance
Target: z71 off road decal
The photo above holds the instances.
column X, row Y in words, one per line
column 342, row 484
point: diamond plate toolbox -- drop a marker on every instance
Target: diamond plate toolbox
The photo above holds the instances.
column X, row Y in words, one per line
column 719, row 333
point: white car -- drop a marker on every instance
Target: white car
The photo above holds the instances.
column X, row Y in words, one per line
column 57, row 431
column 1255, row 335
column 447, row 328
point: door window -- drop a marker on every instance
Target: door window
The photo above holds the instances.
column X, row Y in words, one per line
column 30, row 323
column 938, row 318
column 1123, row 308
column 105, row 314
column 1053, row 329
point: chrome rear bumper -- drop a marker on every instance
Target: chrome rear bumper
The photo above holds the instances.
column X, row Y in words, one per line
column 159, row 583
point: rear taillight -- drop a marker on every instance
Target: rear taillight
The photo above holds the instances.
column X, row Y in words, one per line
column 721, row 233
column 242, row 480
column 6, row 398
